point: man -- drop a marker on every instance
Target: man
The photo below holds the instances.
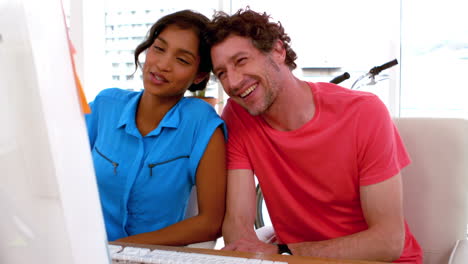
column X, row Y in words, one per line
column 328, row 159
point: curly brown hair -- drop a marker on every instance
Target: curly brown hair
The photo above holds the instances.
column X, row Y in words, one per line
column 256, row 26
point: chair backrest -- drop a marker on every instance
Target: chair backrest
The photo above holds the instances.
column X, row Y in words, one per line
column 435, row 184
column 192, row 206
column 192, row 210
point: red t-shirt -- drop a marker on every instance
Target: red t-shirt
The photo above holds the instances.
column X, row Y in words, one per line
column 311, row 177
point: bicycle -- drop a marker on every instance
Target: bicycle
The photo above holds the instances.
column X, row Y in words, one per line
column 370, row 78
column 371, row 75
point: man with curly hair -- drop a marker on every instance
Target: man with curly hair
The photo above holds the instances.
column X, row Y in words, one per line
column 328, row 159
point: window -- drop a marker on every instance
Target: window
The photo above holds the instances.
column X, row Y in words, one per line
column 330, row 37
column 336, row 36
column 138, row 39
column 435, row 60
column 126, row 25
column 109, row 29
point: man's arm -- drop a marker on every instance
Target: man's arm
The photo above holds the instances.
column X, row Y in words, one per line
column 382, row 241
column 241, row 208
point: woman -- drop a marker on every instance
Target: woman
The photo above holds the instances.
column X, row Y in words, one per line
column 149, row 148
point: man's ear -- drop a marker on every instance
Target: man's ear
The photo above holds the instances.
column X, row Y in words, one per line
column 279, row 50
column 200, row 77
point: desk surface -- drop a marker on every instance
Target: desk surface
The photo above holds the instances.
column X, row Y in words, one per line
column 288, row 259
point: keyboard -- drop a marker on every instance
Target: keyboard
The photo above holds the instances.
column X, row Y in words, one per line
column 134, row 255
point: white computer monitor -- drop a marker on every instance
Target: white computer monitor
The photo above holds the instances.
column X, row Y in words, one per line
column 49, row 203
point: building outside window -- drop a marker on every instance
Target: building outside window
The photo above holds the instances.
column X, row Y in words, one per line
column 330, row 37
column 130, row 22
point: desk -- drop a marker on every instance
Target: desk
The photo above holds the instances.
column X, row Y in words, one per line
column 288, row 259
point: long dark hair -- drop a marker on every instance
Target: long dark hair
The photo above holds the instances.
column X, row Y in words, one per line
column 185, row 19
column 253, row 25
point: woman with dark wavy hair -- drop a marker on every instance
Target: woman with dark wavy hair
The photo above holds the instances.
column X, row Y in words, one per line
column 151, row 147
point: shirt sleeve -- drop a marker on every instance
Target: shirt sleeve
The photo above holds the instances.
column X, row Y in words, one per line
column 237, row 157
column 381, row 153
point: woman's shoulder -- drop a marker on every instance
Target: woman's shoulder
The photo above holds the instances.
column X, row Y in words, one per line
column 115, row 95
column 197, row 105
column 197, row 110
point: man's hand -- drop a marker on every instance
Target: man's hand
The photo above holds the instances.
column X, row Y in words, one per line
column 249, row 245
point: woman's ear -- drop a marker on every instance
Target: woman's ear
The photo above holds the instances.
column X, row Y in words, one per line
column 200, row 77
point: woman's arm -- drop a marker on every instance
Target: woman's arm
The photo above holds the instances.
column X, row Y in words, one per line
column 211, row 190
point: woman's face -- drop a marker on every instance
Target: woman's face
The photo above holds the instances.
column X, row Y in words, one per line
column 172, row 61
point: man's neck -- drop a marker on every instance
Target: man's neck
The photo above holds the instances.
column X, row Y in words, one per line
column 292, row 108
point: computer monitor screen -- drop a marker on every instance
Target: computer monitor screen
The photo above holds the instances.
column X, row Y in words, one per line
column 49, row 200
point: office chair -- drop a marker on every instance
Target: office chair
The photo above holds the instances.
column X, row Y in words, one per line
column 435, row 186
column 192, row 210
